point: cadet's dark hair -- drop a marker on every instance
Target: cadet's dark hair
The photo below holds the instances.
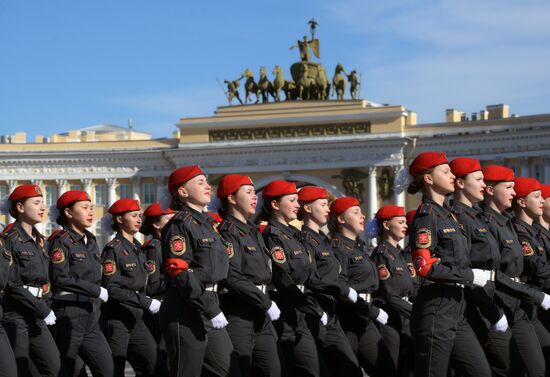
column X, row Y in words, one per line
column 224, row 206
column 266, row 211
column 13, row 207
column 61, row 218
column 147, row 227
column 114, row 224
column 175, row 202
column 418, row 182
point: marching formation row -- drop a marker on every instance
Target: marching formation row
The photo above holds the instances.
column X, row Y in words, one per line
column 218, row 295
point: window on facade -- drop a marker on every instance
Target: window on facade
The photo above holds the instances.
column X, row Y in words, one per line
column 100, row 197
column 516, row 170
column 50, row 195
column 537, row 171
column 3, row 191
column 75, row 187
column 125, row 191
column 149, row 193
column 99, row 235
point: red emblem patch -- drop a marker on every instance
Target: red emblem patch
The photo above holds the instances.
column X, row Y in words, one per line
column 109, row 267
column 411, row 269
column 278, row 254
column 58, row 256
column 383, row 272
column 177, row 245
column 527, row 249
column 423, row 238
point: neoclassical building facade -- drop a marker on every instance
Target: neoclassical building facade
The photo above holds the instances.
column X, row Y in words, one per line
column 350, row 147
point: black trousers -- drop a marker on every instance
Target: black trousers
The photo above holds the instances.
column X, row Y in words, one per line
column 32, row 344
column 130, row 340
column 496, row 344
column 298, row 351
column 254, row 347
column 8, row 366
column 193, row 345
column 400, row 346
column 337, row 357
column 442, row 336
column 152, row 322
column 78, row 334
column 527, row 355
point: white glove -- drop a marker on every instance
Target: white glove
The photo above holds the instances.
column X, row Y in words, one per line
column 155, row 306
column 481, row 276
column 219, row 321
column 324, row 319
column 273, row 312
column 103, row 294
column 50, row 319
column 382, row 317
column 545, row 302
column 352, row 295
column 501, row 325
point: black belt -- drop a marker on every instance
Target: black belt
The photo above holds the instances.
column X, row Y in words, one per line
column 73, row 297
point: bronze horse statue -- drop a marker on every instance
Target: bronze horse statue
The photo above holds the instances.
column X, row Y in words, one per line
column 339, row 82
column 250, row 85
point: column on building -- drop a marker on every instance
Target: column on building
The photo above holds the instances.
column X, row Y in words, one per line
column 399, row 197
column 524, row 166
column 87, row 185
column 111, row 190
column 12, row 184
column 136, row 188
column 61, row 186
column 39, row 182
column 373, row 193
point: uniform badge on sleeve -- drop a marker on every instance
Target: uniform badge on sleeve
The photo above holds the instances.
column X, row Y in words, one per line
column 423, row 238
column 58, row 256
column 278, row 254
column 230, row 250
column 109, row 267
column 527, row 249
column 410, row 266
column 177, row 245
column 383, row 272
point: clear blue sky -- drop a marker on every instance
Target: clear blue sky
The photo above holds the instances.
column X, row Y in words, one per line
column 67, row 64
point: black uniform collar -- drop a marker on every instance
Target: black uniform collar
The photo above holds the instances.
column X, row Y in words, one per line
column 197, row 216
column 26, row 237
column 76, row 237
column 395, row 251
column 286, row 229
column 459, row 207
column 348, row 242
column 541, row 229
column 440, row 210
column 318, row 236
column 243, row 227
column 530, row 228
column 127, row 244
column 501, row 218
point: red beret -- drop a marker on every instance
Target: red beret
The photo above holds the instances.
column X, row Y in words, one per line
column 229, row 184
column 524, row 186
column 425, row 161
column 497, row 173
column 279, row 188
column 389, row 211
column 311, row 193
column 215, row 216
column 463, row 166
column 545, row 191
column 25, row 191
column 181, row 175
column 340, row 205
column 155, row 210
column 71, row 197
column 410, row 216
column 124, row 205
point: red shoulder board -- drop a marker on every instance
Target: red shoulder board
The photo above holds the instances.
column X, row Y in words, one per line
column 55, row 233
column 7, row 228
column 147, row 243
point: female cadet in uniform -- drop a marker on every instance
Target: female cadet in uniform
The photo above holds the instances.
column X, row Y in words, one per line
column 347, row 222
column 440, row 253
column 292, row 270
column 8, row 367
column 247, row 305
column 498, row 197
column 486, row 318
column 196, row 261
column 338, row 356
column 396, row 275
column 154, row 219
column 528, row 204
column 125, row 277
column 75, row 270
column 26, row 310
